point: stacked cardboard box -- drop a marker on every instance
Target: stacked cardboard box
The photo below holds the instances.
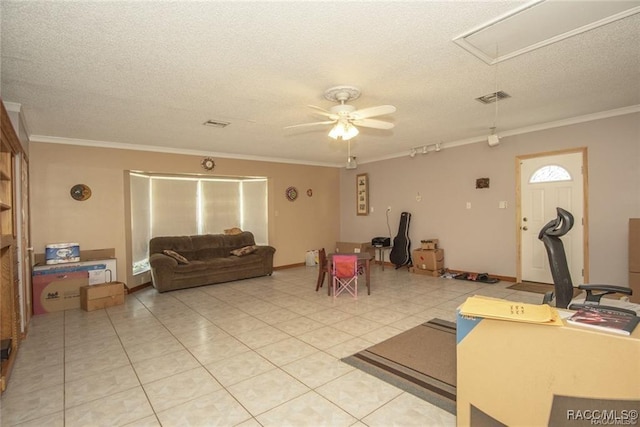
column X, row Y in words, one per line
column 57, row 291
column 57, row 287
column 429, row 244
column 634, row 258
column 100, row 296
column 428, row 261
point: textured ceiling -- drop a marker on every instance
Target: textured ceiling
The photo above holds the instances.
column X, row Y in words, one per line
column 151, row 73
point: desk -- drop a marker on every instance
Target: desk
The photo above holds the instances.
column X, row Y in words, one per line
column 527, row 374
column 381, row 250
column 364, row 258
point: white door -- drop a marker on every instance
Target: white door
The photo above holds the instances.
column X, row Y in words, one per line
column 546, row 183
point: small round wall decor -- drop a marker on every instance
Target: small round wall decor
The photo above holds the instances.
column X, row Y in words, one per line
column 80, row 192
column 291, row 193
column 208, row 163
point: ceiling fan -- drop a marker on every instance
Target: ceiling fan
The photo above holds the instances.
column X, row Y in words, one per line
column 345, row 117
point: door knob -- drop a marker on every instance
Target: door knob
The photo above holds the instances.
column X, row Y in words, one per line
column 524, row 219
column 525, row 228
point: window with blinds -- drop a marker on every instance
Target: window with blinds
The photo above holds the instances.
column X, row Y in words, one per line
column 163, row 205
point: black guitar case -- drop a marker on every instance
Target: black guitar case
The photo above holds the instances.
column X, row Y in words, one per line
column 401, row 252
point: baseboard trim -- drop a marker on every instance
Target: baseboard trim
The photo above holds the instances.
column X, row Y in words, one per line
column 138, row 288
column 284, row 267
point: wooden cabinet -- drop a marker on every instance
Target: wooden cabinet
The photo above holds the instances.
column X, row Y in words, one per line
column 9, row 303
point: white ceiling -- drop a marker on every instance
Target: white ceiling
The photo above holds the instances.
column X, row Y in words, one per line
column 149, row 74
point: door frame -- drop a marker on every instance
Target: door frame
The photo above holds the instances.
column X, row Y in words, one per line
column 585, row 207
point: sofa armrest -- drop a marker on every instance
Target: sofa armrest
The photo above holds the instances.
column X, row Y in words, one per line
column 162, row 267
column 266, row 252
column 265, row 248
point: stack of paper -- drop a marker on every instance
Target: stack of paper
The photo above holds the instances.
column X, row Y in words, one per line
column 493, row 308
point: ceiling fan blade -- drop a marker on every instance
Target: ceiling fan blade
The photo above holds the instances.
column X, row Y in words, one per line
column 324, row 112
column 380, row 110
column 373, row 123
column 329, row 122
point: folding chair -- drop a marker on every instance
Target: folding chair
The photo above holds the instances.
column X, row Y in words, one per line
column 344, row 269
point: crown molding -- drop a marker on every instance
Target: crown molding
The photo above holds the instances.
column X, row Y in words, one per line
column 520, row 131
column 444, row 144
column 16, row 107
column 170, row 150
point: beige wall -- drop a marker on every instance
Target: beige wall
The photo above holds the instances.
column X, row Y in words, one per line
column 480, row 239
column 483, row 239
column 101, row 221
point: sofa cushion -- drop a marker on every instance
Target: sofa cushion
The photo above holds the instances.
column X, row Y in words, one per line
column 175, row 255
column 193, row 266
column 243, row 251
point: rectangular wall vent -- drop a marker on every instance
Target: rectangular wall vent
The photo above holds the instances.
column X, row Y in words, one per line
column 492, row 97
column 217, row 123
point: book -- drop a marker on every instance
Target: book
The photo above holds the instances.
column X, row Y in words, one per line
column 499, row 309
column 605, row 320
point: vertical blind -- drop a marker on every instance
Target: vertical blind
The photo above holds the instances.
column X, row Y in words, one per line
column 175, row 206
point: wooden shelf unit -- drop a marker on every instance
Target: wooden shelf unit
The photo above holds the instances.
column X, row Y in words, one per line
column 9, row 302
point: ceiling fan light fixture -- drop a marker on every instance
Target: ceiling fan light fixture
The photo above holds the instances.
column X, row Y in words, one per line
column 350, row 132
column 343, row 117
column 336, row 131
column 343, row 130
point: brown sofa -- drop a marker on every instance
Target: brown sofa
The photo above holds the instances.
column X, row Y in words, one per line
column 208, row 260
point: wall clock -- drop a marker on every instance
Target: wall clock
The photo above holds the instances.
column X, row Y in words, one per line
column 80, row 192
column 208, row 163
column 291, row 193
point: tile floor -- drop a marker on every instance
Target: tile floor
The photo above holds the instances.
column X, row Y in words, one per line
column 259, row 352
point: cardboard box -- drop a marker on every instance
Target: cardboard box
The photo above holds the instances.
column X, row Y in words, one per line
column 57, row 292
column 349, row 247
column 59, row 253
column 527, row 374
column 433, row 273
column 634, row 284
column 99, row 271
column 429, row 244
column 428, row 259
column 634, row 245
column 104, row 295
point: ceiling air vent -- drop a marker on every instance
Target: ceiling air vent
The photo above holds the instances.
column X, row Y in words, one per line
column 216, row 123
column 492, row 97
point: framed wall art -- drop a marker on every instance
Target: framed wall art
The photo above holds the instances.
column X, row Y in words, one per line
column 362, row 194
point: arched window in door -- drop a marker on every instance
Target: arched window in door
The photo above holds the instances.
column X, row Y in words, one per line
column 550, row 173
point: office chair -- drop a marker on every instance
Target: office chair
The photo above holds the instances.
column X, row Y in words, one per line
column 550, row 235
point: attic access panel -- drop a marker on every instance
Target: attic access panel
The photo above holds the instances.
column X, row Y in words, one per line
column 538, row 24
